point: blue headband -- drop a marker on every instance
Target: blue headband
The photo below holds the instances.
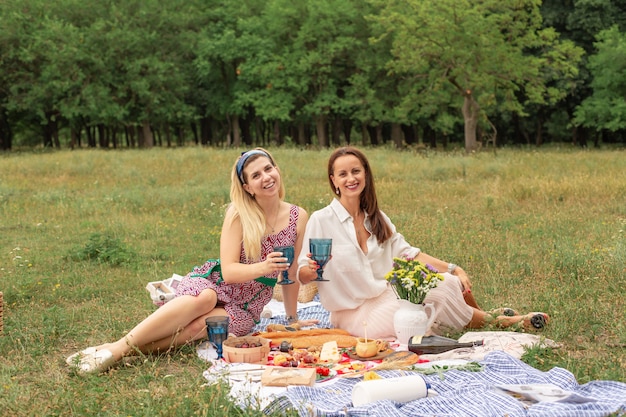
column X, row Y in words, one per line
column 244, row 157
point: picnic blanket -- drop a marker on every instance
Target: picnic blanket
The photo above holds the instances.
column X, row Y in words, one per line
column 463, row 394
column 459, row 393
column 514, row 343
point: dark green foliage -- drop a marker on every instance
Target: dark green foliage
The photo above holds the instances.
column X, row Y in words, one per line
column 105, row 248
column 310, row 72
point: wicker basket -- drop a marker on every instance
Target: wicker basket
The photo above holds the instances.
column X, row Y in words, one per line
column 305, row 294
column 1, row 312
column 246, row 355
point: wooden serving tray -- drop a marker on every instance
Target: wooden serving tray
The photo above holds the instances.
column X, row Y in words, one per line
column 381, row 355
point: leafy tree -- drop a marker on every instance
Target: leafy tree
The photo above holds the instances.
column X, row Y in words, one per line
column 223, row 47
column 606, row 107
column 304, row 71
column 27, row 90
column 580, row 21
column 481, row 50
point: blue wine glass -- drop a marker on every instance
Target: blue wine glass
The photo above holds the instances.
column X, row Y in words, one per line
column 289, row 253
column 217, row 330
column 320, row 252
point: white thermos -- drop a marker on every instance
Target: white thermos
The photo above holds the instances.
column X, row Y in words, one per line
column 401, row 389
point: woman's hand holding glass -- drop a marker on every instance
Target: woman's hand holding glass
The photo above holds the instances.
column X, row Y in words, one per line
column 275, row 261
column 288, row 252
column 309, row 272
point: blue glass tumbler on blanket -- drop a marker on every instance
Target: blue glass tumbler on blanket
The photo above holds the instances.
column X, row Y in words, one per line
column 217, row 330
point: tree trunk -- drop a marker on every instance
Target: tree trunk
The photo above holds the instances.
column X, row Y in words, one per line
column 372, row 135
column 168, row 135
column 582, row 139
column 301, row 135
column 409, row 134
column 277, row 138
column 147, row 138
column 114, row 137
column 320, row 129
column 47, row 137
column 376, row 134
column 470, row 116
column 397, row 136
column 235, row 131
column 246, row 133
column 180, row 135
column 55, row 133
column 259, row 129
column 102, row 137
column 539, row 135
column 130, row 136
column 429, row 134
column 364, row 134
column 6, row 133
column 156, row 135
column 73, row 138
column 347, row 130
column 336, row 132
column 194, row 132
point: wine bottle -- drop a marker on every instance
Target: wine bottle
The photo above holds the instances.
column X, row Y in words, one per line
column 438, row 344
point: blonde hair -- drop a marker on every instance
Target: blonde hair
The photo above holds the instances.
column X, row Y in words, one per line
column 247, row 209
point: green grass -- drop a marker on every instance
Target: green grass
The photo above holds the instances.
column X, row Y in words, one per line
column 82, row 232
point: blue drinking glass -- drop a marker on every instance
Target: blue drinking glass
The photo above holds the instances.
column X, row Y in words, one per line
column 320, row 252
column 217, row 330
column 289, row 253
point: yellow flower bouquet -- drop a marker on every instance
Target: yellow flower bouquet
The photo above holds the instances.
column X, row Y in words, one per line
column 412, row 280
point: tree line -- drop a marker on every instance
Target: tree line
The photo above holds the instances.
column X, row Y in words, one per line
column 143, row 73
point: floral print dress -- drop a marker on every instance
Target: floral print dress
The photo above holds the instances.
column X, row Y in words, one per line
column 243, row 302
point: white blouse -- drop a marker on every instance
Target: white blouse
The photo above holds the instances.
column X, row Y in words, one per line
column 353, row 275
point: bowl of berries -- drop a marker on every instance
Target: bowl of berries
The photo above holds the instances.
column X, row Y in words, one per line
column 246, row 349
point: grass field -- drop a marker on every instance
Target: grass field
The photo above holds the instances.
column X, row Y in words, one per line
column 82, row 232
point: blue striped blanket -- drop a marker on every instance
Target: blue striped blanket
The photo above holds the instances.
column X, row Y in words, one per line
column 461, row 393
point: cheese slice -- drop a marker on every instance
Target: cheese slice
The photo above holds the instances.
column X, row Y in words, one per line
column 330, row 352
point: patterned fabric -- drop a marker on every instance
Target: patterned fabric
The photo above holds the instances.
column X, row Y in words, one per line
column 316, row 312
column 243, row 302
column 462, row 394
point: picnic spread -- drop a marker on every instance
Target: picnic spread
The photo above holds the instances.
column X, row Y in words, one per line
column 321, row 375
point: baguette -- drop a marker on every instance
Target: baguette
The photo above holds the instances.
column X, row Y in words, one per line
column 303, row 339
column 301, row 333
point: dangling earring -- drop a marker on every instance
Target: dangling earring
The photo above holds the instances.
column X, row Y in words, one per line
column 337, row 190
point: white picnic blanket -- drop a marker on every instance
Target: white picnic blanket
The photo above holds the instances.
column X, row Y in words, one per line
column 513, row 343
column 460, row 393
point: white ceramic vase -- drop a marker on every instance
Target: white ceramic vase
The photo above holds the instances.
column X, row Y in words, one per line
column 412, row 320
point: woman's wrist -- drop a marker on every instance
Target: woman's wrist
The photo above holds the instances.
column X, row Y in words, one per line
column 299, row 277
column 307, row 277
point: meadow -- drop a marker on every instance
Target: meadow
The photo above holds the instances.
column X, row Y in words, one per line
column 82, row 232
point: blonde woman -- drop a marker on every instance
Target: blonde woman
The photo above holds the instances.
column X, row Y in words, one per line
column 239, row 285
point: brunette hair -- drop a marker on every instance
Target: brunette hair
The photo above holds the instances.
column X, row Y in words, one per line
column 369, row 201
column 245, row 206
